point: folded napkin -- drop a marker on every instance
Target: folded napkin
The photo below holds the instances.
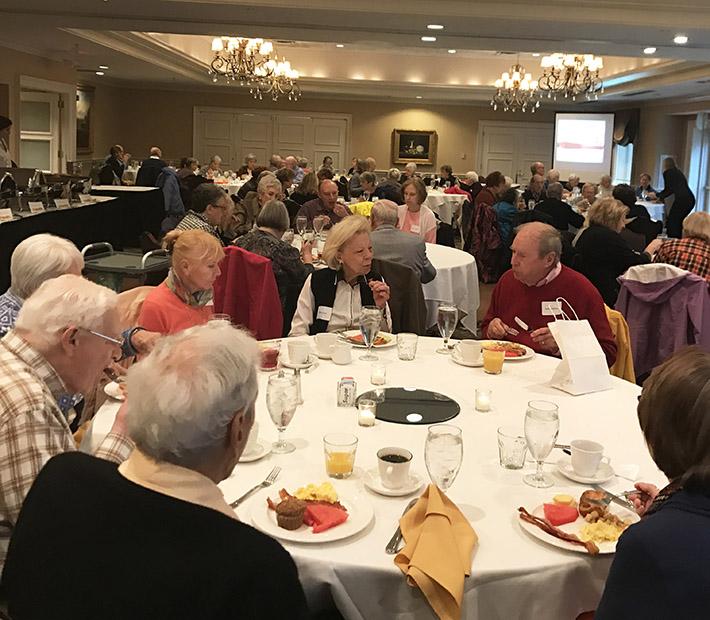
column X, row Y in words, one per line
column 437, row 554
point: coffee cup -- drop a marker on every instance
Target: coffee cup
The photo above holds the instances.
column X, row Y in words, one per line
column 586, row 457
column 469, row 351
column 341, row 353
column 298, row 351
column 393, row 464
column 324, row 344
column 253, row 440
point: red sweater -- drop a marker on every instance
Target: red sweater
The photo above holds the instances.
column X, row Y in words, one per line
column 512, row 298
column 164, row 312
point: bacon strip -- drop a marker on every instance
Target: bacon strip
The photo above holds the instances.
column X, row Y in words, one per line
column 547, row 527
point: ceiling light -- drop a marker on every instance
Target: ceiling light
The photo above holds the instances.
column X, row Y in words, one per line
column 516, row 90
column 452, row 51
column 571, row 75
column 680, row 39
column 339, row 45
column 103, row 66
column 418, row 97
column 649, row 50
column 99, row 73
column 435, row 27
column 428, row 39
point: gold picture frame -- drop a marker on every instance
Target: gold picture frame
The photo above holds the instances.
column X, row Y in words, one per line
column 414, row 145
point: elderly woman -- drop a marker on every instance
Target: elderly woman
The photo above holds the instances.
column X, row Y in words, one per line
column 446, row 175
column 495, row 185
column 368, row 181
column 692, row 252
column 603, row 254
column 414, row 216
column 307, row 189
column 245, row 212
column 291, row 268
column 188, row 167
column 332, row 298
column 34, row 260
column 249, row 164
column 190, row 413
column 660, row 565
column 605, row 187
column 183, row 299
column 644, row 190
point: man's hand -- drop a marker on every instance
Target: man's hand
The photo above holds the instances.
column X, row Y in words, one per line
column 544, row 339
column 340, row 210
column 654, row 246
column 497, row 329
column 144, row 341
column 380, row 291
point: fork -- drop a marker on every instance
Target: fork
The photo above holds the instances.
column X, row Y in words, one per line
column 393, row 544
column 267, row 482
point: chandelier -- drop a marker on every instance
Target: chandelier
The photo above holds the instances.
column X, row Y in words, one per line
column 571, row 75
column 277, row 79
column 516, row 90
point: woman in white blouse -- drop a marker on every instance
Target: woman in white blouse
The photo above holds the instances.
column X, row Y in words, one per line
column 332, row 298
column 414, row 216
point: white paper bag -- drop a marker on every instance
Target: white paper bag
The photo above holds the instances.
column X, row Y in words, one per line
column 583, row 368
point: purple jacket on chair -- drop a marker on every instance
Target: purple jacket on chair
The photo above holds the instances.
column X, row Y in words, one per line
column 664, row 317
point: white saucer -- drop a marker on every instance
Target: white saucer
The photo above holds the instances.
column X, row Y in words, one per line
column 111, row 389
column 374, row 483
column 323, row 356
column 459, row 360
column 604, row 473
column 262, row 449
column 312, row 359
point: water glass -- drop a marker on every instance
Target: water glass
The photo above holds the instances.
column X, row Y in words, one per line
column 542, row 424
column 218, row 317
column 339, row 450
column 446, row 318
column 301, row 224
column 407, row 346
column 443, row 454
column 281, row 401
column 512, row 448
column 370, row 320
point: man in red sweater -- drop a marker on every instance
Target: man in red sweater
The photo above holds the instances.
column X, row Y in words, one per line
column 536, row 280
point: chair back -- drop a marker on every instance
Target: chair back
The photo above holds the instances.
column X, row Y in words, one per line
column 624, row 365
column 406, row 302
column 467, row 224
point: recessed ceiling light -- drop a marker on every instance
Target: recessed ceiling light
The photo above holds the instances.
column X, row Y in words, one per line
column 452, row 51
column 103, row 66
column 536, row 55
column 99, row 73
column 428, row 39
column 435, row 27
column 418, row 97
column 339, row 45
column 680, row 39
column 649, row 50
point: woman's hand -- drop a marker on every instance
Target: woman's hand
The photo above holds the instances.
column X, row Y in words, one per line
column 307, row 252
column 380, row 291
column 643, row 500
column 545, row 340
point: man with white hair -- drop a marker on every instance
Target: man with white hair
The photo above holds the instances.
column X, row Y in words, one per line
column 151, row 168
column 537, row 168
column 390, row 243
column 66, row 333
column 410, row 171
column 469, row 183
column 160, row 540
column 292, row 164
column 213, row 169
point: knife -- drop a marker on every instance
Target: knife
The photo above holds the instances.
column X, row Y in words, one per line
column 615, row 498
column 393, row 544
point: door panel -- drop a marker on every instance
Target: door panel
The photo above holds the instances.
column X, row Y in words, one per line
column 216, row 132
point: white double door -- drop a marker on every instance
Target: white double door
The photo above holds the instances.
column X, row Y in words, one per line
column 513, row 147
column 233, row 134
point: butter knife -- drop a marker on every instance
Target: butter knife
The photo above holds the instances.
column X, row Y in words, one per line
column 615, row 498
column 393, row 544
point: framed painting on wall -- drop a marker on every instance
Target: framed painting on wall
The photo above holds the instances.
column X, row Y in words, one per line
column 84, row 128
column 413, row 146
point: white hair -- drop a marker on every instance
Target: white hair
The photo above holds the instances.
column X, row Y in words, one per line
column 471, row 176
column 269, row 180
column 62, row 302
column 384, row 212
column 39, row 258
column 205, row 376
column 216, row 159
column 411, row 166
column 394, row 173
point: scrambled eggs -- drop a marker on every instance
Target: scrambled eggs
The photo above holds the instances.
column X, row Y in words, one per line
column 323, row 492
column 601, row 531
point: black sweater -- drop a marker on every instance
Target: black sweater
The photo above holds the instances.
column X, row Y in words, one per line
column 91, row 544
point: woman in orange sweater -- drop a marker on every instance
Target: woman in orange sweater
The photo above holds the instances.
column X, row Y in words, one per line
column 184, row 299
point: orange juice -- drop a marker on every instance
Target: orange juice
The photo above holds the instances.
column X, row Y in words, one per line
column 339, row 464
column 493, row 361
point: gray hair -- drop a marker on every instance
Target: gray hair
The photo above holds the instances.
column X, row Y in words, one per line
column 206, row 374
column 65, row 301
column 216, row 159
column 368, row 177
column 273, row 214
column 249, row 157
column 471, row 176
column 549, row 238
column 206, row 194
column 553, row 175
column 39, row 258
column 384, row 212
column 554, row 190
column 394, row 173
column 268, row 181
column 411, row 166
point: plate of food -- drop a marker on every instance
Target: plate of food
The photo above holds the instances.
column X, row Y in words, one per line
column 314, row 513
column 514, row 352
column 354, row 337
column 591, row 525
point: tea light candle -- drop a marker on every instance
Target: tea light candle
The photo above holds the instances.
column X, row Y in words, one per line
column 378, row 374
column 483, row 400
column 366, row 412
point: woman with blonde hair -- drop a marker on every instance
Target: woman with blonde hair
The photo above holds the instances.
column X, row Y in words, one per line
column 184, row 299
column 602, row 253
column 692, row 252
column 332, row 298
column 414, row 216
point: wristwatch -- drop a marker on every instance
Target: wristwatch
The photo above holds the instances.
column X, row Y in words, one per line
column 127, row 348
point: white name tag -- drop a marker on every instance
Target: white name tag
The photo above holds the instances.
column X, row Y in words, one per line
column 61, row 203
column 324, row 313
column 6, row 215
column 416, row 229
column 551, row 308
column 36, row 207
column 85, row 198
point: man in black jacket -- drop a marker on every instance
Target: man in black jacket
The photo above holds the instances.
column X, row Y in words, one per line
column 562, row 214
column 150, row 168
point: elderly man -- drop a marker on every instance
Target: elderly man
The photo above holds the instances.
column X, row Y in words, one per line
column 213, row 169
column 563, row 217
column 535, row 191
column 529, row 292
column 158, row 539
column 606, row 188
column 410, row 171
column 291, row 163
column 326, row 205
column 390, row 243
column 470, row 183
column 275, row 162
column 151, row 168
column 572, row 184
column 67, row 332
column 537, row 168
column 212, row 210
column 586, row 198
column 389, row 188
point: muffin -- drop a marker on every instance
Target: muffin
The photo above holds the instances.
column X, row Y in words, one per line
column 289, row 513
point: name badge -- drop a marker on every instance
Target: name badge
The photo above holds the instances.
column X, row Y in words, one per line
column 415, row 228
column 6, row 215
column 61, row 203
column 36, row 207
column 551, row 308
column 86, row 199
column 324, row 313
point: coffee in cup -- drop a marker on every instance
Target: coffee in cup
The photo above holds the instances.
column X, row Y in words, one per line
column 393, row 464
column 586, row 457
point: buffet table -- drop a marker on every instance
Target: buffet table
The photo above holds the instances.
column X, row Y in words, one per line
column 513, row 575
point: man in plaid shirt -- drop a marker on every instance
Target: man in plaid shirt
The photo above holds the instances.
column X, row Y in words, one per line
column 65, row 335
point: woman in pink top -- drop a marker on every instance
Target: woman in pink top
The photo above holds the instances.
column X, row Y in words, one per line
column 184, row 299
column 414, row 216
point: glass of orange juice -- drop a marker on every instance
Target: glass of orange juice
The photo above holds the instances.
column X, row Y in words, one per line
column 493, row 361
column 339, row 449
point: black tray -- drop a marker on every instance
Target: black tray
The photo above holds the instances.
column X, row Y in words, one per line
column 412, row 406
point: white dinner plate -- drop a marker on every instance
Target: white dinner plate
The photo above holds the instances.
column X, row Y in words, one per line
column 112, row 390
column 359, row 510
column 574, row 528
column 604, row 473
column 391, row 342
column 529, row 353
column 373, row 482
column 262, row 449
column 312, row 359
column 456, row 356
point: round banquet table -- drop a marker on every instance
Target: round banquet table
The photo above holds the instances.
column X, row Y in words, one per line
column 513, row 575
column 446, row 206
column 456, row 282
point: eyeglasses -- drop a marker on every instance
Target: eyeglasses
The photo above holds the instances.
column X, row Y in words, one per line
column 115, row 341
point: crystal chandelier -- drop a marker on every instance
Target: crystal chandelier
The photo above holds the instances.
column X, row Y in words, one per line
column 276, row 79
column 237, row 59
column 516, row 90
column 571, row 75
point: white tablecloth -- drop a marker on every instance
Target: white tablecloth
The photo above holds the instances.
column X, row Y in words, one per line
column 456, row 282
column 513, row 575
column 655, row 209
column 446, row 206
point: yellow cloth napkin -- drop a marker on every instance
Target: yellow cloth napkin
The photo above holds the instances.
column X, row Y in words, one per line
column 437, row 554
column 362, row 208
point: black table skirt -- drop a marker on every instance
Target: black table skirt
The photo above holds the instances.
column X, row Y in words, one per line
column 119, row 221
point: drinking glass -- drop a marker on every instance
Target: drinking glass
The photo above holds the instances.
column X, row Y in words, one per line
column 281, row 401
column 512, row 447
column 443, row 453
column 407, row 346
column 301, row 223
column 219, row 317
column 288, row 236
column 542, row 423
column 446, row 319
column 318, row 223
column 370, row 319
column 340, row 450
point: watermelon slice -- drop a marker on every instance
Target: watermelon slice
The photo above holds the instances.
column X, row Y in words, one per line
column 322, row 517
column 558, row 514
